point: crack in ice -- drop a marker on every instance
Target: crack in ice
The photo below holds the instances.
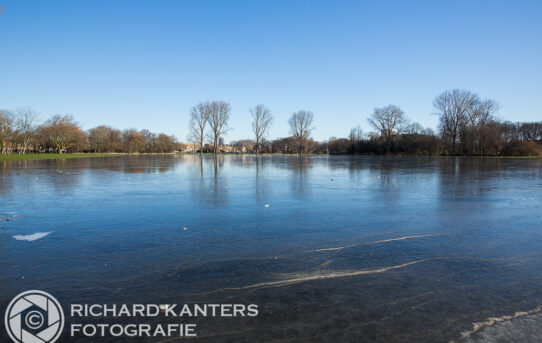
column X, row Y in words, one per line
column 372, row 243
column 477, row 326
column 319, row 276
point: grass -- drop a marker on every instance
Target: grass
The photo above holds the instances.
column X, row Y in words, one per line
column 50, row 156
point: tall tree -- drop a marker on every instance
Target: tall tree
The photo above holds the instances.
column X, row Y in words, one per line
column 62, row 132
column 388, row 120
column 199, row 117
column 7, row 129
column 133, row 141
column 26, row 119
column 165, row 143
column 453, row 107
column 478, row 117
column 483, row 112
column 301, row 126
column 104, row 139
column 219, row 116
column 150, row 140
column 261, row 121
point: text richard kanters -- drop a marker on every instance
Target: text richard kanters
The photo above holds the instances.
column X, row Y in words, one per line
column 138, row 312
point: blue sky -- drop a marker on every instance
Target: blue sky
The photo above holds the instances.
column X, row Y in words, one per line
column 144, row 64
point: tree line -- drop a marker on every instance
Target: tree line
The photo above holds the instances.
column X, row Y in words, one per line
column 20, row 133
column 468, row 125
column 209, row 122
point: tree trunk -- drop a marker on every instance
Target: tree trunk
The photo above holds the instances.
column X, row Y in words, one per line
column 388, row 143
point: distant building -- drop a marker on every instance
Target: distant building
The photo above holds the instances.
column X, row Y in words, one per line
column 189, row 147
column 220, row 141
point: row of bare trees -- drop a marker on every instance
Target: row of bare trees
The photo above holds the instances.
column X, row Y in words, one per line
column 107, row 139
column 464, row 120
column 20, row 133
column 208, row 122
column 468, row 126
column 215, row 115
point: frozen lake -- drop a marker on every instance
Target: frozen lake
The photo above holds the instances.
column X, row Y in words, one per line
column 331, row 248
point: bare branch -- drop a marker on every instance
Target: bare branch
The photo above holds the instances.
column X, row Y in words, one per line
column 389, row 121
column 301, row 126
column 7, row 129
column 199, row 117
column 453, row 107
column 219, row 115
column 262, row 120
column 26, row 118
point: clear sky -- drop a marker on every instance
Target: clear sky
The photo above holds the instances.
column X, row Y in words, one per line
column 144, row 64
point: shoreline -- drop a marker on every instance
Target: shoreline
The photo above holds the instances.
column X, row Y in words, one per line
column 54, row 156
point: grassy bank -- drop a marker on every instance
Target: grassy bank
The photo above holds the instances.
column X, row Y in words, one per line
column 53, row 156
column 27, row 157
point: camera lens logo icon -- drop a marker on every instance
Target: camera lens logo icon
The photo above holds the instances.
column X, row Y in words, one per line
column 34, row 317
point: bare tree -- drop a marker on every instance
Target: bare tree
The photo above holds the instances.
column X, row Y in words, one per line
column 478, row 117
column 356, row 134
column 62, row 132
column 199, row 116
column 219, row 115
column 26, row 118
column 104, row 139
column 388, row 121
column 133, row 141
column 262, row 120
column 301, row 126
column 453, row 108
column 7, row 129
column 483, row 112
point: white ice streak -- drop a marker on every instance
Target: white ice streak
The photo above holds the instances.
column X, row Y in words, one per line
column 371, row 243
column 32, row 237
column 299, row 278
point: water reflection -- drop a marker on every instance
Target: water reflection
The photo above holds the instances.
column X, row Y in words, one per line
column 458, row 176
